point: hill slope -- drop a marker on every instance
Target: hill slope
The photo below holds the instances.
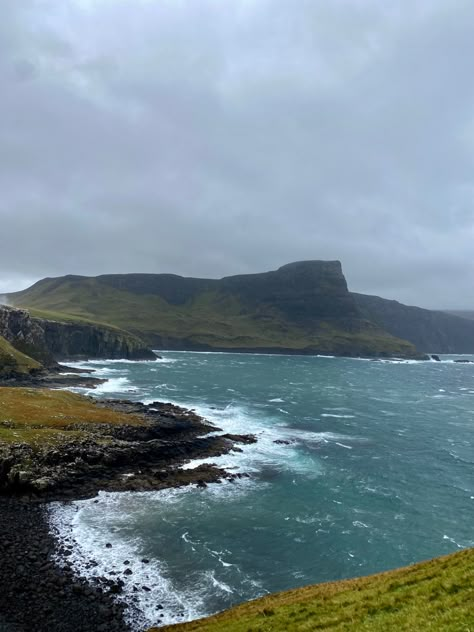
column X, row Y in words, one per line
column 302, row 307
column 430, row 331
column 14, row 364
column 435, row 595
column 463, row 313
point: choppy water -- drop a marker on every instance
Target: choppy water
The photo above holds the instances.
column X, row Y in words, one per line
column 378, row 472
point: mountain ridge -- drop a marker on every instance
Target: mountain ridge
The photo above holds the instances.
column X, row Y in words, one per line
column 431, row 331
column 302, row 307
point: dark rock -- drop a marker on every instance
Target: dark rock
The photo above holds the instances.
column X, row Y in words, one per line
column 38, row 594
column 427, row 329
column 435, row 357
column 48, row 341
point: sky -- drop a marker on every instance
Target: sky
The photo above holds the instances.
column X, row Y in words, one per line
column 218, row 137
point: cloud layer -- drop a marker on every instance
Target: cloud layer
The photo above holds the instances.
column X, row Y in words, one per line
column 210, row 138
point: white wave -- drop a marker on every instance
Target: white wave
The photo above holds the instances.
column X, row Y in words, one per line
column 278, row 447
column 210, row 575
column 277, row 400
column 90, row 530
column 337, row 416
column 115, row 385
column 89, row 545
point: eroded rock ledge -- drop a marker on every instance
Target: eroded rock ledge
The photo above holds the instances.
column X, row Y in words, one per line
column 101, row 456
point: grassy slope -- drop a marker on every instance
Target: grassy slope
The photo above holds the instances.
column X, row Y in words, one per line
column 212, row 319
column 13, row 361
column 435, row 595
column 38, row 416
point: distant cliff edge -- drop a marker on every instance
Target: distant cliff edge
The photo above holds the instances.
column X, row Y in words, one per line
column 303, row 307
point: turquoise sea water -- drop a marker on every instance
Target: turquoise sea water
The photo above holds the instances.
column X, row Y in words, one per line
column 376, row 471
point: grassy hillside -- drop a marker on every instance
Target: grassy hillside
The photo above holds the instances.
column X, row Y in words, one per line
column 254, row 312
column 437, row 595
column 13, row 363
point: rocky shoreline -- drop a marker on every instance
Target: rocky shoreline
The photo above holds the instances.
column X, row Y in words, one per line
column 58, row 376
column 35, row 591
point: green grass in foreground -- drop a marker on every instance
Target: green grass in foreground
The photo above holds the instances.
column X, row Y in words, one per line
column 437, row 595
column 41, row 416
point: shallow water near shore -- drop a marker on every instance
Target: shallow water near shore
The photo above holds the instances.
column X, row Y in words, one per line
column 360, row 466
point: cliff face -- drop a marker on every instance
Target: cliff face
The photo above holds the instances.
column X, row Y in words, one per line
column 303, row 307
column 24, row 333
column 48, row 340
column 68, row 340
column 430, row 331
column 303, row 292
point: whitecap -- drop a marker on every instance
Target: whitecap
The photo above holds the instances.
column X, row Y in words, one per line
column 89, row 545
column 337, row 416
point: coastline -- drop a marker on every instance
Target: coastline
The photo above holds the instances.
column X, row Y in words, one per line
column 35, row 592
column 37, row 583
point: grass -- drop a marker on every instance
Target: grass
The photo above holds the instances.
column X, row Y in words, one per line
column 42, row 416
column 435, row 596
column 212, row 319
column 13, row 361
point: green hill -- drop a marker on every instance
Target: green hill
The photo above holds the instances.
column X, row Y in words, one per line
column 434, row 596
column 303, row 307
column 14, row 364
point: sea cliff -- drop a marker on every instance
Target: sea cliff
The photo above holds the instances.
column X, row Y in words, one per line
column 47, row 340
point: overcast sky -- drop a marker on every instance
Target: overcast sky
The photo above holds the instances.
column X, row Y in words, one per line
column 217, row 137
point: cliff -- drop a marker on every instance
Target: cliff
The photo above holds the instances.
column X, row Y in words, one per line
column 303, row 307
column 48, row 340
column 430, row 331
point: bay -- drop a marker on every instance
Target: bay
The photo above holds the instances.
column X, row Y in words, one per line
column 359, row 466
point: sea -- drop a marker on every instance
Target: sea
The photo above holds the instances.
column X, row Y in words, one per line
column 360, row 466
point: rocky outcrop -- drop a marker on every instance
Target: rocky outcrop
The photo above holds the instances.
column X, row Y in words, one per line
column 50, row 340
column 74, row 340
column 430, row 331
column 117, row 457
column 24, row 333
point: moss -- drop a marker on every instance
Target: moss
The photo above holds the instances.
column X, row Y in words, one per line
column 15, row 363
column 39, row 416
column 434, row 595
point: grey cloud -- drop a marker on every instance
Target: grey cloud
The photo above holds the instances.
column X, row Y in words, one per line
column 209, row 138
